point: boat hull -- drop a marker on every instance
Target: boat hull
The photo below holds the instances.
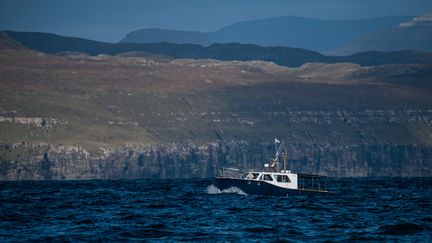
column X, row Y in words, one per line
column 253, row 187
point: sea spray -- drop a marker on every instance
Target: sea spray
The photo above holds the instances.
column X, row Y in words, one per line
column 212, row 189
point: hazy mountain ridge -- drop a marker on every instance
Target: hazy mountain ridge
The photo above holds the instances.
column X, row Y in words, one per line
column 168, row 36
column 335, row 37
column 286, row 31
column 108, row 117
column 415, row 34
column 285, row 56
column 318, row 35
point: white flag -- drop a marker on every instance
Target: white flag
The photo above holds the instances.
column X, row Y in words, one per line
column 276, row 140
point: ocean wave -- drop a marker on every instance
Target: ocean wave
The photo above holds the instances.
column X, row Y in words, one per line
column 196, row 210
column 212, row 189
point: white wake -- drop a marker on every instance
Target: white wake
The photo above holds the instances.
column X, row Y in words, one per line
column 212, row 189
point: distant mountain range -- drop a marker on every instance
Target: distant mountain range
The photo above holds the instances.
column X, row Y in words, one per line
column 414, row 34
column 319, row 35
column 313, row 34
column 285, row 56
column 168, row 36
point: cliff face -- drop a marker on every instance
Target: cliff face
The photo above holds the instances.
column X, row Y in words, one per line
column 45, row 161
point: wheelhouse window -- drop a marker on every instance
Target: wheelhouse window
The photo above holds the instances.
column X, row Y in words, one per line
column 267, row 177
column 249, row 176
column 283, row 178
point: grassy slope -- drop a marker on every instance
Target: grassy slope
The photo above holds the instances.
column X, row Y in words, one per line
column 114, row 101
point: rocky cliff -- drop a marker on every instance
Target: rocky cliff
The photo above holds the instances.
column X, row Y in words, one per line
column 363, row 154
column 46, row 161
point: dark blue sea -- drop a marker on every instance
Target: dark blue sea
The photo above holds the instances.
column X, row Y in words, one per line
column 398, row 209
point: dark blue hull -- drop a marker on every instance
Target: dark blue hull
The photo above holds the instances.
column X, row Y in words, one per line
column 252, row 187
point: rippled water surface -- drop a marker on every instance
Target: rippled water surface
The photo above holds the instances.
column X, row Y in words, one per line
column 160, row 210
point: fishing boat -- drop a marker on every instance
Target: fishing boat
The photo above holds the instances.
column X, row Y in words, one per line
column 272, row 181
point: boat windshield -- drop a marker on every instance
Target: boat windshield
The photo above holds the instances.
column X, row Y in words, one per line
column 267, row 177
column 283, row 178
column 249, row 176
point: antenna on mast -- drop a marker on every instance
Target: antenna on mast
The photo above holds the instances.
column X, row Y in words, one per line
column 277, row 152
column 285, row 157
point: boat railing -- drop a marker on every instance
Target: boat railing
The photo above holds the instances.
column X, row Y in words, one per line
column 312, row 182
column 230, row 172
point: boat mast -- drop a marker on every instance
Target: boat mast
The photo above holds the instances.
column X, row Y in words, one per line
column 285, row 156
column 276, row 158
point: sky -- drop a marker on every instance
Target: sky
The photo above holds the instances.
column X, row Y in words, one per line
column 111, row 20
